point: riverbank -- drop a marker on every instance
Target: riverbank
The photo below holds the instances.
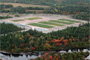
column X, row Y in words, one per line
column 32, row 55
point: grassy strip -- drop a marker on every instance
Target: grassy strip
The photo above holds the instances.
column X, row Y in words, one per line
column 73, row 21
column 33, row 18
column 17, row 20
column 51, row 23
column 41, row 25
column 60, row 21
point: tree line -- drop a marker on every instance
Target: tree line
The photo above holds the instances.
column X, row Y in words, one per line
column 66, row 56
column 79, row 12
column 5, row 17
column 73, row 38
column 6, row 28
column 2, row 6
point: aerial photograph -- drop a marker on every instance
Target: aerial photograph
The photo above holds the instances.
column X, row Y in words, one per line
column 44, row 29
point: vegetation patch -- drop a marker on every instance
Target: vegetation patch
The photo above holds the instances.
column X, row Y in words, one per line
column 5, row 17
column 72, row 38
column 73, row 21
column 51, row 23
column 63, row 22
column 82, row 16
column 17, row 20
column 6, row 28
column 66, row 56
column 34, row 18
column 41, row 25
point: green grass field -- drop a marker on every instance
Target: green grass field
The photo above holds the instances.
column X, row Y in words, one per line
column 63, row 22
column 51, row 23
column 73, row 21
column 33, row 18
column 17, row 20
column 41, row 25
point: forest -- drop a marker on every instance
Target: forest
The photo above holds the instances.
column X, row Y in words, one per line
column 5, row 17
column 48, row 2
column 6, row 28
column 2, row 6
column 78, row 12
column 66, row 56
column 73, row 38
column 78, row 9
column 40, row 2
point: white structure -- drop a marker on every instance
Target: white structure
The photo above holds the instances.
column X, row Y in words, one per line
column 87, row 58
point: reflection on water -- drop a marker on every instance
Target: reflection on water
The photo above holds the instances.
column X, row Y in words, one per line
column 24, row 57
column 28, row 57
column 41, row 29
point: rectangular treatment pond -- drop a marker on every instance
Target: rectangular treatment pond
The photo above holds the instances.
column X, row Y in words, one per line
column 17, row 20
column 52, row 23
column 33, row 18
column 40, row 25
column 63, row 22
column 73, row 21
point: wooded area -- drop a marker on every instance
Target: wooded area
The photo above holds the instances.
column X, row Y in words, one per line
column 73, row 38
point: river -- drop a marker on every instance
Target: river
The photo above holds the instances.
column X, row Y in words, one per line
column 28, row 57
